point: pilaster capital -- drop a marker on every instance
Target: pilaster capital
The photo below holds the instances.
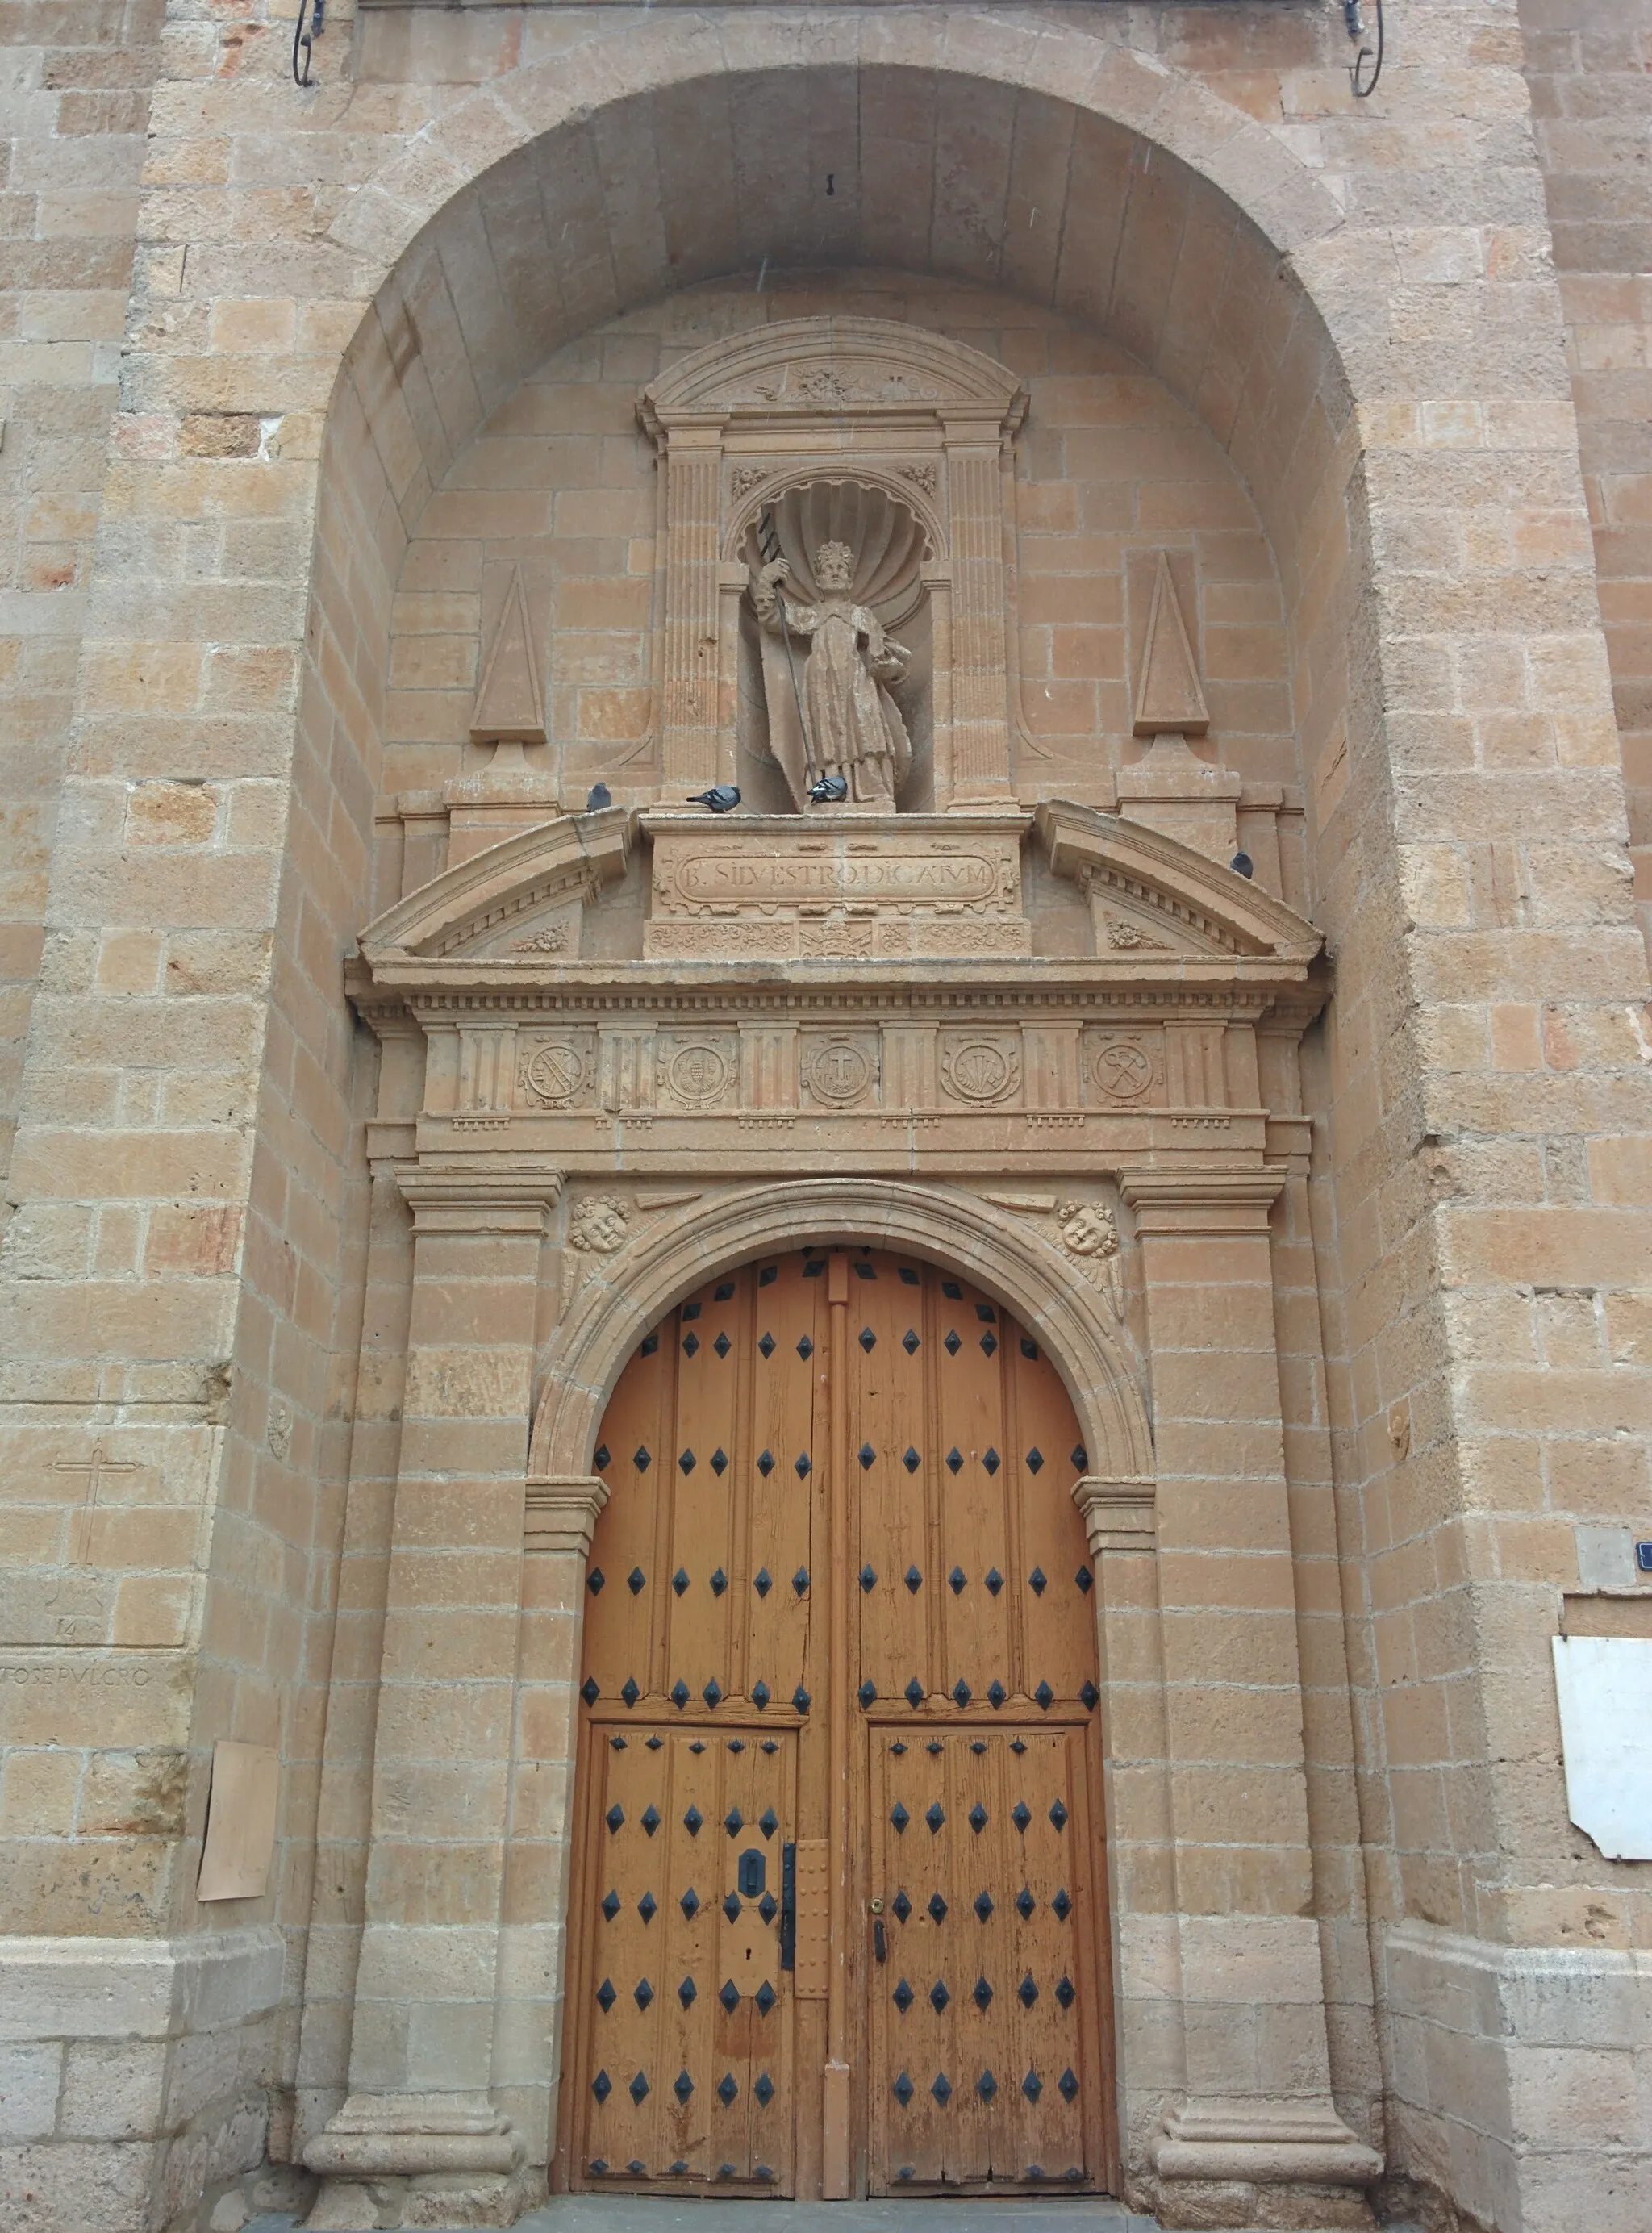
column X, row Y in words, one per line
column 1118, row 1515
column 1192, row 1203
column 507, row 1201
column 563, row 1511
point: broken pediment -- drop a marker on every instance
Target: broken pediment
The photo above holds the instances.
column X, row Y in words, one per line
column 1148, row 893
column 520, row 900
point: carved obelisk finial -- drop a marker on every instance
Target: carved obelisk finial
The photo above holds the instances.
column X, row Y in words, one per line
column 509, row 706
column 1168, row 694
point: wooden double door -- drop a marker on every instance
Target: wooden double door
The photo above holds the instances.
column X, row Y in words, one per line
column 837, row 1907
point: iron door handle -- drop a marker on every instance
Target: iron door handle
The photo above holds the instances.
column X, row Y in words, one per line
column 879, row 1949
column 788, row 1907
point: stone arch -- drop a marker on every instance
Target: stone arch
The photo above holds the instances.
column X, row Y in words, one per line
column 1002, row 1255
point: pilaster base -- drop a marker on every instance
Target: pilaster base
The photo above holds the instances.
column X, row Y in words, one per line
column 420, row 2160
column 1273, row 2164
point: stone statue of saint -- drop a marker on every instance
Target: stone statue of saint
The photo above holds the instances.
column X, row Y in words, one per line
column 855, row 728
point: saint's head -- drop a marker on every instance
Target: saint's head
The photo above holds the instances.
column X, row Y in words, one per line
column 835, row 569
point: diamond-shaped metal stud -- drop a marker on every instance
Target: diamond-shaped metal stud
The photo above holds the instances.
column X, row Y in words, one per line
column 1021, row 1814
column 800, row 1700
column 939, row 1996
column 1035, row 1459
column 962, row 1692
column 1024, row 1904
column 869, row 1578
column 937, row 1908
column 1038, row 1581
column 805, row 1347
column 990, row 1461
column 989, row 1343
column 867, row 1456
column 606, row 1995
column 982, row 1904
column 800, row 1581
column 690, row 1310
column 768, row 1821
column 942, row 2089
column 594, row 1580
column 642, row 1457
column 680, row 1694
column 643, row 1994
column 610, row 1906
column 1033, row 2085
column 913, row 1580
column 629, row 1691
column 726, row 2088
column 763, row 1582
column 910, row 1459
column 691, row 1347
column 867, row 1692
column 729, row 1995
column 712, row 1693
column 996, row 1693
column 868, row 1340
column 978, row 1817
column 1085, row 1580
column 598, row 2164
column 766, row 1346
column 765, row 1464
column 900, row 1816
column 601, row 2085
column 982, row 1996
column 764, row 1997
column 588, row 1691
column 764, row 2090
column 934, row 1748
column 956, row 1580
column 802, row 1464
column 910, row 1342
column 902, row 2089
column 732, row 1906
column 915, row 1693
column 1059, row 1815
column 994, row 1580
column 986, row 2086
column 647, row 1907
column 768, row 1907
column 952, row 1345
column 1066, row 1992
column 902, row 1906
column 1045, row 1696
column 1090, row 1695
column 687, row 1461
column 692, row 1821
column 734, row 1821
column 1079, row 1455
column 953, row 1460
column 1067, row 2085
column 638, row 2089
column 1026, row 1992
column 636, row 1581
column 1062, row 1905
column 679, row 1581
column 903, row 1996
column 651, row 1820
column 615, row 1816
column 601, row 1456
column 722, row 1344
column 683, row 2085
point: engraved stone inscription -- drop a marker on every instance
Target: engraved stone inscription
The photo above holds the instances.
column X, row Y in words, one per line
column 711, row 880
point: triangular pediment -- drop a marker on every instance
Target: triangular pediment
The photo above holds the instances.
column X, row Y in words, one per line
column 1148, row 893
column 512, row 899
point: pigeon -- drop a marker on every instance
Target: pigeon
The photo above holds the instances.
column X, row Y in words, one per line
column 601, row 797
column 722, row 798
column 1242, row 864
column 828, row 790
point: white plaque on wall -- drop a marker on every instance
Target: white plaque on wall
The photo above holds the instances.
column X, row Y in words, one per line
column 1605, row 1687
column 240, row 1822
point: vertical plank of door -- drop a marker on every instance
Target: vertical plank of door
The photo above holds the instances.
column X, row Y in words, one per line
column 580, row 2016
column 699, row 1470
column 835, row 2094
column 973, row 1498
column 969, row 2152
column 930, row 1956
column 1093, row 1973
column 621, row 2126
column 778, row 1535
column 688, row 1954
column 1061, row 1617
column 1052, row 2127
column 890, row 1416
column 619, row 1624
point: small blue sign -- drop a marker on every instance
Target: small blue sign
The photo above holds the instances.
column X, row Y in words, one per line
column 1644, row 1556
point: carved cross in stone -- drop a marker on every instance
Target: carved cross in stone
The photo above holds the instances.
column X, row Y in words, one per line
column 94, row 1468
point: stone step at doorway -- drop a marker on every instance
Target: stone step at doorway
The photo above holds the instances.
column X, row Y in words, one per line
column 625, row 2213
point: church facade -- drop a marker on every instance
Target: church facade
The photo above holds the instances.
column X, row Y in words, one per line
column 825, row 1292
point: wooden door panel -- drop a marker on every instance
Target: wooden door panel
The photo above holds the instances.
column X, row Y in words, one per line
column 981, row 2039
column 689, row 2047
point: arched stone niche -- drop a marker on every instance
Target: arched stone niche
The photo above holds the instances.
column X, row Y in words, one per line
column 740, row 423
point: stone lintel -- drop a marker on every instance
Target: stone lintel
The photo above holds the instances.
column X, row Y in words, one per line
column 563, row 1511
column 1189, row 1203
column 1118, row 1515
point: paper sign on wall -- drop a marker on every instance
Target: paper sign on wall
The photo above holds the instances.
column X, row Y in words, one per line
column 240, row 1822
column 1605, row 1687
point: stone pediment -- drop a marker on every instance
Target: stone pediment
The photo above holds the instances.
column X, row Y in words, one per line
column 870, row 366
column 1148, row 892
column 521, row 898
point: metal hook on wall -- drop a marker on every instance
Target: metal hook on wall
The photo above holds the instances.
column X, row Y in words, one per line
column 1363, row 86
column 311, row 20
